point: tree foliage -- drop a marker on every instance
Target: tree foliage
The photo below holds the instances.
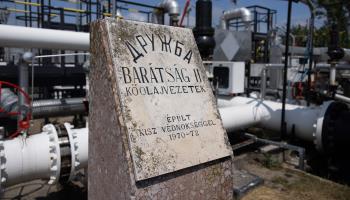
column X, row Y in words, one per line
column 334, row 12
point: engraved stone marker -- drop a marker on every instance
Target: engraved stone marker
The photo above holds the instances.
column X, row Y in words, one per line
column 152, row 115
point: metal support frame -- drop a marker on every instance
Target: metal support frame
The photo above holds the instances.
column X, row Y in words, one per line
column 286, row 55
column 300, row 150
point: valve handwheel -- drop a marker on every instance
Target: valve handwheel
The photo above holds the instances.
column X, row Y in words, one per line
column 24, row 123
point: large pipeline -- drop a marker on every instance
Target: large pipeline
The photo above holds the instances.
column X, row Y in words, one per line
column 305, row 123
column 24, row 37
column 40, row 156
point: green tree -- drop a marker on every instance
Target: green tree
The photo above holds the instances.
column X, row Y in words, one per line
column 337, row 12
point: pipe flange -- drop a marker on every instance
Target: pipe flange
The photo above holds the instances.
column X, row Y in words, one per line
column 55, row 154
column 74, row 149
column 330, row 138
column 319, row 126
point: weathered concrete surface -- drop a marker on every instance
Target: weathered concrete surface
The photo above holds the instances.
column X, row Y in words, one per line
column 116, row 117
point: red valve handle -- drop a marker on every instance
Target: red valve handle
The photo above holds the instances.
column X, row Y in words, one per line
column 25, row 123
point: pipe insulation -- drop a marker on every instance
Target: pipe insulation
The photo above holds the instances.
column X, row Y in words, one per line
column 305, row 123
column 45, row 108
column 243, row 13
column 25, row 37
column 58, row 107
column 169, row 6
column 40, row 156
column 8, row 100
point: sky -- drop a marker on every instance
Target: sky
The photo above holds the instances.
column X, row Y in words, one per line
column 300, row 12
column 299, row 16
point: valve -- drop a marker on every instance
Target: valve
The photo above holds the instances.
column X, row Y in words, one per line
column 22, row 113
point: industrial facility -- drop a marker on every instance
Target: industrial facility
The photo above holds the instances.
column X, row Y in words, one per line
column 278, row 100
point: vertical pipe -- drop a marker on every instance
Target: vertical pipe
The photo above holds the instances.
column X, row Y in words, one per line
column 42, row 16
column 114, row 8
column 284, row 95
column 203, row 31
column 23, row 82
column 263, row 83
column 248, row 78
column 30, row 14
column 62, row 23
column 332, row 75
column 311, row 53
column 25, row 14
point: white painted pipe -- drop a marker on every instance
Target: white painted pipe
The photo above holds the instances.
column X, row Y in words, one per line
column 35, row 157
column 243, row 13
column 342, row 98
column 79, row 148
column 169, row 6
column 239, row 117
column 333, row 75
column 24, row 37
column 305, row 122
column 39, row 157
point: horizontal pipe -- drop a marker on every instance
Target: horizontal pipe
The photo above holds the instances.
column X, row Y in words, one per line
column 39, row 156
column 326, row 66
column 304, row 122
column 322, row 52
column 58, row 107
column 342, row 98
column 24, row 37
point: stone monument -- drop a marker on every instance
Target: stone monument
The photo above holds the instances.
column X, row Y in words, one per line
column 155, row 131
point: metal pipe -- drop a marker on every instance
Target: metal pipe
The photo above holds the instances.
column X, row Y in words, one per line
column 44, row 108
column 23, row 79
column 58, row 107
column 285, row 71
column 243, row 13
column 23, row 84
column 263, row 83
column 114, row 7
column 283, row 145
column 303, row 122
column 342, row 98
column 169, row 6
column 327, row 66
column 24, row 37
column 333, row 75
column 39, row 156
column 263, row 77
column 312, row 8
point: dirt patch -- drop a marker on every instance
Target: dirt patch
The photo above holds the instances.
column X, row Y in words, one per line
column 285, row 183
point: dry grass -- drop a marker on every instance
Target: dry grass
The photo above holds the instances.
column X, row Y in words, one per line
column 295, row 185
